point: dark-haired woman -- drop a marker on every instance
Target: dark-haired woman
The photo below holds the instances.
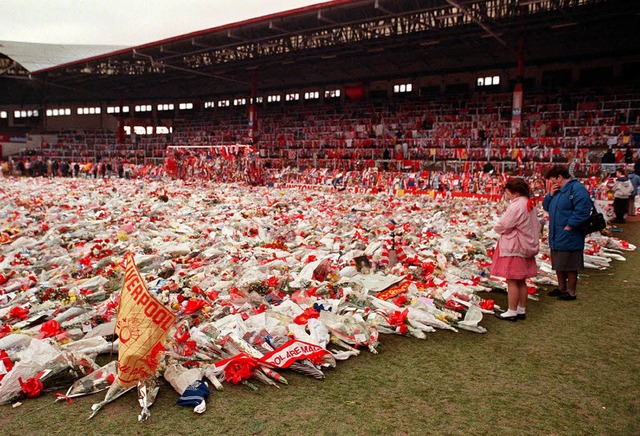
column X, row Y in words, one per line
column 514, row 257
column 569, row 206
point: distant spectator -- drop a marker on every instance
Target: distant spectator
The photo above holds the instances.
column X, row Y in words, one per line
column 622, row 190
column 488, row 167
column 608, row 161
column 628, row 156
column 609, row 157
column 634, row 178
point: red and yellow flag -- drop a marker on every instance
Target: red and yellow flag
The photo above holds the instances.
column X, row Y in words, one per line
column 142, row 324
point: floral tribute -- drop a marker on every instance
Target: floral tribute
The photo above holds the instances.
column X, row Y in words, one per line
column 261, row 281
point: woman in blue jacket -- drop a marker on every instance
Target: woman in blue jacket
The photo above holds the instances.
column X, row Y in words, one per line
column 569, row 206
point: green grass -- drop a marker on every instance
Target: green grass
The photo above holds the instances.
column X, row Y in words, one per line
column 570, row 368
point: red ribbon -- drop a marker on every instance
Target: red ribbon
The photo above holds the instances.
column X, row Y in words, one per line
column 486, row 304
column 33, row 386
column 19, row 312
column 8, row 364
column 397, row 320
column 240, row 367
column 68, row 400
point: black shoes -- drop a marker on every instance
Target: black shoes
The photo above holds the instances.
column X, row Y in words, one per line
column 521, row 316
column 507, row 318
column 555, row 293
column 561, row 295
column 565, row 296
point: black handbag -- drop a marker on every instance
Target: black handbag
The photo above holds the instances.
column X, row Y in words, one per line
column 594, row 223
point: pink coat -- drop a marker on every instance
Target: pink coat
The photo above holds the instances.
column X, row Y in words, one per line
column 519, row 230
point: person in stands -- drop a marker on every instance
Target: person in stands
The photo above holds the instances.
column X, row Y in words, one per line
column 608, row 161
column 628, row 156
column 519, row 242
column 568, row 203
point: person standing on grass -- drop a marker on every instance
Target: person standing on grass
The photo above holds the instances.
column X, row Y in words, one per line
column 519, row 242
column 634, row 178
column 569, row 205
column 622, row 190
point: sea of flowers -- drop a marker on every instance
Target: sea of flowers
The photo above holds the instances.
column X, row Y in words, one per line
column 245, row 269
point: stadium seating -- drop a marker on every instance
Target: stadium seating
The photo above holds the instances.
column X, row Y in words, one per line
column 455, row 132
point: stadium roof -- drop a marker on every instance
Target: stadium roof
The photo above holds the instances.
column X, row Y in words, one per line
column 32, row 56
column 344, row 41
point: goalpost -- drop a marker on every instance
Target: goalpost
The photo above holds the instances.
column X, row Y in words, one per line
column 232, row 157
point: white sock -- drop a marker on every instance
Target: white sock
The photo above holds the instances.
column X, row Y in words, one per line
column 508, row 313
column 520, row 310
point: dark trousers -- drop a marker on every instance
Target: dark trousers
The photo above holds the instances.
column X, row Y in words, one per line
column 620, row 208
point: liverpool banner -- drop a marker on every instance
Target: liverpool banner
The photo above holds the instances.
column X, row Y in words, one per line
column 142, row 324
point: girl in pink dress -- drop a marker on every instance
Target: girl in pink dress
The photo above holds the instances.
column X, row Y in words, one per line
column 514, row 257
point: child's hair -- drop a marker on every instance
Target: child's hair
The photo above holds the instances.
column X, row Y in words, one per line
column 518, row 186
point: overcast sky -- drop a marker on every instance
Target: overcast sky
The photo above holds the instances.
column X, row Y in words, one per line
column 125, row 22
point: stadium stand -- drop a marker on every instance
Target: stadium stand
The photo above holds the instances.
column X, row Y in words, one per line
column 581, row 97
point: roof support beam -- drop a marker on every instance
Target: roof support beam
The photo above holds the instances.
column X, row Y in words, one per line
column 166, row 50
column 486, row 28
column 379, row 7
column 199, row 44
column 321, row 17
column 232, row 36
column 273, row 26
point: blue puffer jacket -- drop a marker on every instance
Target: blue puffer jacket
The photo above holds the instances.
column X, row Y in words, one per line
column 566, row 211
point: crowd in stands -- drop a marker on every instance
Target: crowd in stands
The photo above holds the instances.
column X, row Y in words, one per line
column 451, row 134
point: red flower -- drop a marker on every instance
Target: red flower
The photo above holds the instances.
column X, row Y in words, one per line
column 305, row 316
column 85, row 261
column 400, row 300
column 193, row 305
column 451, row 304
column 5, row 330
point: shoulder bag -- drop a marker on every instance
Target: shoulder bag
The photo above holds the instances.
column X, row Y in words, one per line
column 596, row 221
